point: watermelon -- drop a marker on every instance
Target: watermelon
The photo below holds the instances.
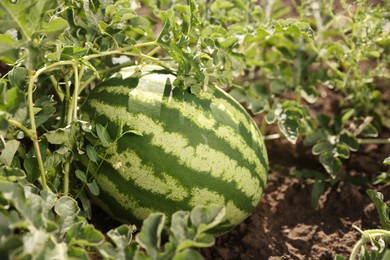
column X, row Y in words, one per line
column 179, row 150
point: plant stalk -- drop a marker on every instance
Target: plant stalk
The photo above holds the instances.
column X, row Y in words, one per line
column 66, row 178
column 367, row 235
column 374, row 141
column 32, row 133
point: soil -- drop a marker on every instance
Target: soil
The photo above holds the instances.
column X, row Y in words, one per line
column 285, row 226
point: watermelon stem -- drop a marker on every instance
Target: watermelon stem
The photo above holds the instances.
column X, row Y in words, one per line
column 32, row 133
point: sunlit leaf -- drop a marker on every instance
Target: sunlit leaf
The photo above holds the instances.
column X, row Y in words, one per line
column 350, row 141
column 370, row 131
column 188, row 254
column 382, row 208
column 289, row 128
column 331, row 164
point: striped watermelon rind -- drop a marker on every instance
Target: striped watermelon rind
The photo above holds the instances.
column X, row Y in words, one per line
column 191, row 150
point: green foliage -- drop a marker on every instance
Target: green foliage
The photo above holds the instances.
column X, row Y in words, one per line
column 38, row 224
column 282, row 61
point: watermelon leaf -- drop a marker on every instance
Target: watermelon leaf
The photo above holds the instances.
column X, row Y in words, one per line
column 316, row 192
column 93, row 187
column 67, row 209
column 8, row 152
column 11, row 173
column 92, row 154
column 188, row 254
column 149, row 237
column 103, row 135
column 203, row 218
column 382, row 208
column 331, row 163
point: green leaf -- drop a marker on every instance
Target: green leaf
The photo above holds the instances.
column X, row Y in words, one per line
column 73, row 52
column 12, row 173
column 59, row 136
column 331, row 164
column 347, row 114
column 188, row 254
column 93, row 187
column 55, row 27
column 387, row 161
column 149, row 238
column 316, row 136
column 17, row 77
column 58, row 156
column 103, row 135
column 316, row 192
column 322, row 147
column 370, row 131
column 67, row 209
column 9, row 151
column 179, row 229
column 122, row 235
column 83, row 234
column 4, row 117
column 349, row 140
column 12, row 100
column 205, row 218
column 92, row 154
column 81, row 176
column 289, row 128
column 381, row 207
column 342, row 151
column 8, row 48
column 30, row 164
column 44, row 109
column 270, row 116
column 309, row 93
column 77, row 253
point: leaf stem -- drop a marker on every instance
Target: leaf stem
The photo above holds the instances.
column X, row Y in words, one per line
column 124, row 51
column 66, row 178
column 32, row 133
column 22, row 127
column 367, row 235
column 374, row 141
column 40, row 163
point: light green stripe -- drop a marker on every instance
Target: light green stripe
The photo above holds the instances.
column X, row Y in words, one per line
column 226, row 103
column 130, row 167
column 200, row 158
column 123, row 199
column 203, row 196
column 226, row 133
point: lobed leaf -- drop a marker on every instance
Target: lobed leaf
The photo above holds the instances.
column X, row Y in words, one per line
column 149, row 237
column 331, row 164
column 382, row 208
